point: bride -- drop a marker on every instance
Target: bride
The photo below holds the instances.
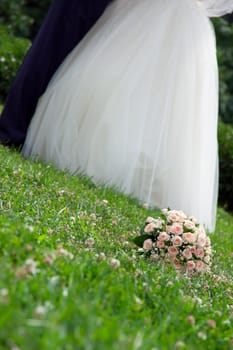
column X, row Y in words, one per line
column 135, row 105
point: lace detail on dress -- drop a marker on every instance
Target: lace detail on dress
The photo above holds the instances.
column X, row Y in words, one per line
column 216, row 8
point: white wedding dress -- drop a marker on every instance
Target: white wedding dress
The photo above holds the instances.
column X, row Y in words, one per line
column 135, row 105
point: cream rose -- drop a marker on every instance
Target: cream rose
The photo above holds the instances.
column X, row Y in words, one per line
column 172, row 251
column 189, row 237
column 177, row 228
column 192, row 218
column 190, row 225
column 200, row 252
column 164, row 211
column 202, row 229
column 160, row 244
column 149, row 220
column 208, row 242
column 173, row 216
column 158, row 223
column 201, row 240
column 190, row 265
column 163, row 236
column 207, row 259
column 168, row 228
column 149, row 227
column 187, row 254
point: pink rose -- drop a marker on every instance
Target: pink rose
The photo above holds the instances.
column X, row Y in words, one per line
column 190, row 265
column 187, row 254
column 199, row 266
column 208, row 250
column 177, row 240
column 201, row 240
column 163, row 236
column 149, row 227
column 177, row 229
column 189, row 237
column 199, row 252
column 172, row 251
column 193, row 250
column 160, row 244
column 190, row 225
column 148, row 244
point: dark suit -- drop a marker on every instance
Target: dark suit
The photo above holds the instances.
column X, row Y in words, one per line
column 64, row 26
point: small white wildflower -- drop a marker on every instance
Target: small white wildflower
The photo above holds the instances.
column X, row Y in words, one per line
column 4, row 292
column 54, row 281
column 89, row 242
column 65, row 292
column 31, row 266
column 115, row 263
column 14, row 347
column 93, row 216
column 40, row 310
column 202, row 335
column 198, row 300
column 226, row 322
column 64, row 252
column 138, row 300
column 179, row 345
column 170, row 284
column 101, row 256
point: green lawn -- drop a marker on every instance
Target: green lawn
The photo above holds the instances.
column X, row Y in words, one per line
column 60, row 288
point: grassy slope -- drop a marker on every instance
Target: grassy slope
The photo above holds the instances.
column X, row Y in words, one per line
column 84, row 303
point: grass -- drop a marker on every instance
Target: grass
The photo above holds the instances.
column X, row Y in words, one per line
column 60, row 289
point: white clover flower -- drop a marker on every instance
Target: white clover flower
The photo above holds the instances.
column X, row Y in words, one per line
column 89, row 242
column 115, row 263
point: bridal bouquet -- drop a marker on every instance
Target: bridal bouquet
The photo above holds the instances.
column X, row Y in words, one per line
column 174, row 237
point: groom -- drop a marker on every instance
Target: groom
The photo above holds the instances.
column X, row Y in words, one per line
column 64, row 26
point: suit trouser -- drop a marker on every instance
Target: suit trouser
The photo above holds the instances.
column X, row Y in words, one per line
column 64, row 26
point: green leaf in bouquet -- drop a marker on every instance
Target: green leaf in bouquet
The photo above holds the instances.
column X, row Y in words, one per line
column 139, row 240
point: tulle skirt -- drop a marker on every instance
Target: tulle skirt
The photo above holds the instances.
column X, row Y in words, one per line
column 135, row 106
